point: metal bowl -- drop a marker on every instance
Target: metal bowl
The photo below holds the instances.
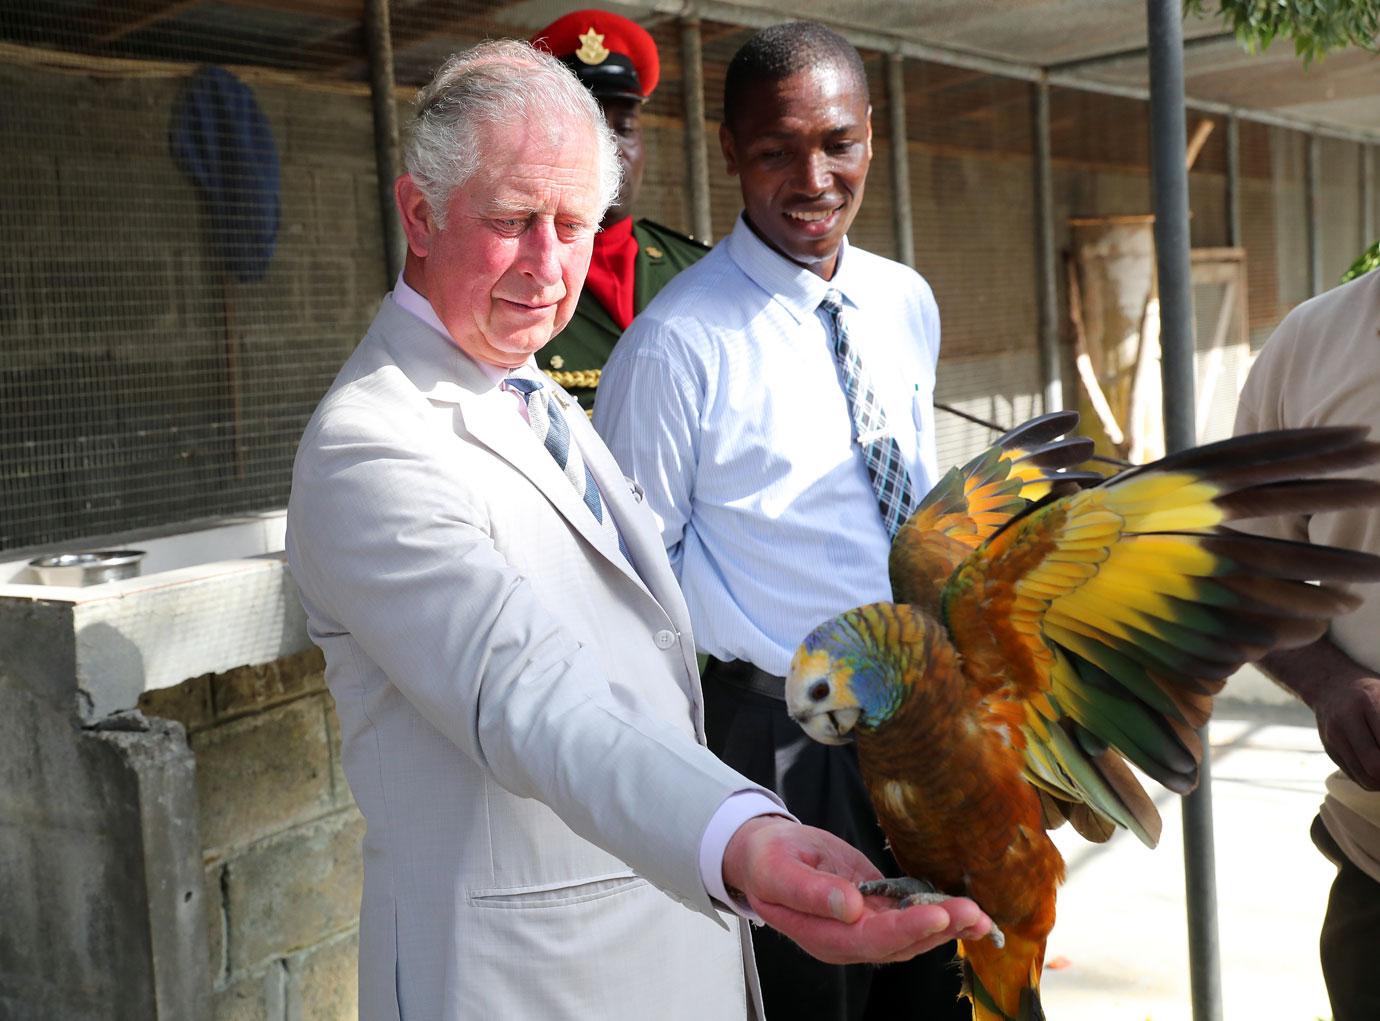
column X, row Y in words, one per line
column 87, row 568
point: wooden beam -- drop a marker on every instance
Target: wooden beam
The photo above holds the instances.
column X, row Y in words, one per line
column 411, row 26
column 349, row 10
column 416, row 25
column 1197, row 141
column 119, row 21
column 1285, row 82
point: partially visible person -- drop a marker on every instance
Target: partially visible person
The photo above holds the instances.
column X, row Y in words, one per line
column 510, row 657
column 1322, row 367
column 633, row 258
column 775, row 402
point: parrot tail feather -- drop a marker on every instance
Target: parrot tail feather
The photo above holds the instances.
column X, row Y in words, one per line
column 1040, row 430
column 1003, row 984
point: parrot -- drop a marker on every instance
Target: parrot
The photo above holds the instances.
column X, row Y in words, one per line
column 1050, row 625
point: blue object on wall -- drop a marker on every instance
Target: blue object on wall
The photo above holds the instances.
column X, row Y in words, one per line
column 221, row 139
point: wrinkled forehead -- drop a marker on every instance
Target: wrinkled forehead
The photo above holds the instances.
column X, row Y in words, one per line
column 536, row 168
column 522, row 135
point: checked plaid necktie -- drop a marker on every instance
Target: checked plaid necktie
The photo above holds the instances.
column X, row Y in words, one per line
column 881, row 454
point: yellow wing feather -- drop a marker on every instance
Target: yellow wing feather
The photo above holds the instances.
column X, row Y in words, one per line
column 1114, row 613
column 970, row 504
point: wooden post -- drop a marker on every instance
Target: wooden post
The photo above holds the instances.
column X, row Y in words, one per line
column 1046, row 294
column 1370, row 221
column 696, row 145
column 1312, row 191
column 1233, row 181
column 900, row 158
column 389, row 166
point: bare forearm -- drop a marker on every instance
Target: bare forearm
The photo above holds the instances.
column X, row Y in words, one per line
column 1313, row 671
column 1344, row 696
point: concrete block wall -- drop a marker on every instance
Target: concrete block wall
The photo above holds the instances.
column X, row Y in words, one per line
column 280, row 837
column 101, row 912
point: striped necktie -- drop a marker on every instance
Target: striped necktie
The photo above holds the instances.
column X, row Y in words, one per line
column 881, row 453
column 553, row 431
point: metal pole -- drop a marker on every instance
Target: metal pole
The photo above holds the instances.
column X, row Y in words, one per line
column 1170, row 182
column 389, row 166
column 696, row 147
column 900, row 157
column 1312, row 191
column 1169, row 178
column 1046, row 285
column 1233, row 181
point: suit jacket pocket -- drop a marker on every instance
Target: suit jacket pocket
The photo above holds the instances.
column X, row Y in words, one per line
column 558, row 895
column 608, row 946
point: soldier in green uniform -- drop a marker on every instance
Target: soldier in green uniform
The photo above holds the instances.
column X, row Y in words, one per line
column 633, row 258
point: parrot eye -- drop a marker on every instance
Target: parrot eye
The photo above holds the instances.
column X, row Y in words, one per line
column 819, row 691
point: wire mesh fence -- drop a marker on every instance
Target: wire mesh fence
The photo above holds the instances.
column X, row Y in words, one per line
column 143, row 379
column 146, row 379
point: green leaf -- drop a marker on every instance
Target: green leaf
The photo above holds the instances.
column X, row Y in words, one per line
column 1369, row 260
column 1316, row 26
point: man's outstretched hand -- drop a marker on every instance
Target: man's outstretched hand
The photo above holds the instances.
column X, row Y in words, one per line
column 803, row 882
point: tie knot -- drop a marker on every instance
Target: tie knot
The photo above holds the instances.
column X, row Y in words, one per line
column 524, row 386
column 833, row 302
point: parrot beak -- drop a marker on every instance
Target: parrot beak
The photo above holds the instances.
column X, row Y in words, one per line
column 832, row 727
column 823, row 707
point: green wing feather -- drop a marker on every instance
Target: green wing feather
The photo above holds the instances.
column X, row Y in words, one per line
column 1116, row 613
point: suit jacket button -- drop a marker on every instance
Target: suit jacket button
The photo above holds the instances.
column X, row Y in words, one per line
column 664, row 639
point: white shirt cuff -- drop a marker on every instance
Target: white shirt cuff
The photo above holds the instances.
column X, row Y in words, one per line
column 736, row 809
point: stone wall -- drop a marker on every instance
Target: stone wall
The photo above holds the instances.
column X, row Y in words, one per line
column 280, row 839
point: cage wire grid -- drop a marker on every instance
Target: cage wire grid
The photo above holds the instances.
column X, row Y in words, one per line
column 143, row 384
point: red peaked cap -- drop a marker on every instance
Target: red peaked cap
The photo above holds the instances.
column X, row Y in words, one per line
column 614, row 58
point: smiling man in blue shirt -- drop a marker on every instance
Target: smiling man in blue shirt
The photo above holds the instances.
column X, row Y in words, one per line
column 775, row 402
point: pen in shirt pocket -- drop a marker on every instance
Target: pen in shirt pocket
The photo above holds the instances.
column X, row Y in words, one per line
column 917, row 407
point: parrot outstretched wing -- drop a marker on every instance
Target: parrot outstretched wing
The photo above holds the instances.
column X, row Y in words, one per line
column 970, row 503
column 1086, row 626
column 1115, row 614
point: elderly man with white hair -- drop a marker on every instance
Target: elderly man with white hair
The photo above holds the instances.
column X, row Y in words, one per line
column 510, row 657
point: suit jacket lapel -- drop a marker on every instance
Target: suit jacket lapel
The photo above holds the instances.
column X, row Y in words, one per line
column 634, row 523
column 444, row 374
column 643, row 539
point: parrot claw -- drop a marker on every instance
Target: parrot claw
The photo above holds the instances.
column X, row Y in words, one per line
column 997, row 937
column 899, row 888
column 908, row 892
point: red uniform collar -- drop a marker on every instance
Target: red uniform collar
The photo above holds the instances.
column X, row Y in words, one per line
column 611, row 271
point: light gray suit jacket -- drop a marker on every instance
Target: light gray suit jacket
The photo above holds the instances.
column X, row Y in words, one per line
column 520, row 709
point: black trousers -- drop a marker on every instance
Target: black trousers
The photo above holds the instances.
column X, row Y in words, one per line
column 822, row 786
column 1350, row 941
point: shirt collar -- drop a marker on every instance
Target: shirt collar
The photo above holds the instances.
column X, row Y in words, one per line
column 409, row 300
column 797, row 289
column 419, row 306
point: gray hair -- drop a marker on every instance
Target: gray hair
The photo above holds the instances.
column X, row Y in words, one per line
column 500, row 82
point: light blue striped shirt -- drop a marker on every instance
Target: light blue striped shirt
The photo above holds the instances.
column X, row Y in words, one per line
column 723, row 401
